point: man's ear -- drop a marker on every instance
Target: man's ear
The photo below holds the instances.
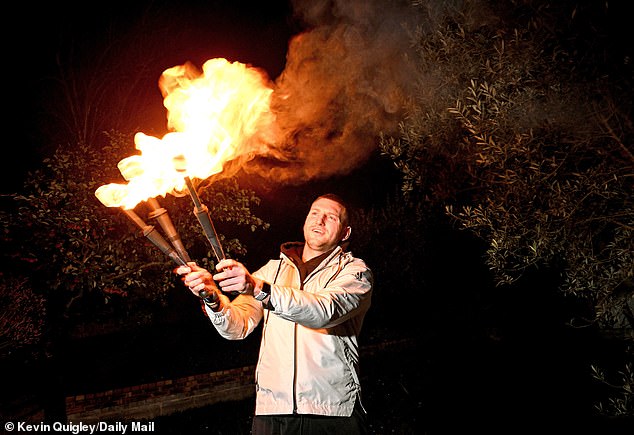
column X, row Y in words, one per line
column 346, row 234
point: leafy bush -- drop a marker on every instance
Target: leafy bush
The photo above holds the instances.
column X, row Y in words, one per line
column 528, row 150
column 523, row 132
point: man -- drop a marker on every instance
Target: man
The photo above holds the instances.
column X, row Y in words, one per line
column 312, row 301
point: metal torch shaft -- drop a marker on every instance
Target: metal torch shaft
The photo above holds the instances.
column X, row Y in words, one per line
column 155, row 237
column 160, row 214
column 202, row 213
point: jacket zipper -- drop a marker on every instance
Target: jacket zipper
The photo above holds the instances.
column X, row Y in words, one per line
column 295, row 358
column 295, row 324
column 295, row 368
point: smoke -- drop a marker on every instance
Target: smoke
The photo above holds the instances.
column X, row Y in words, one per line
column 346, row 80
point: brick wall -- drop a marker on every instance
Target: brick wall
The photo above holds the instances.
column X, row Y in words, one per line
column 147, row 401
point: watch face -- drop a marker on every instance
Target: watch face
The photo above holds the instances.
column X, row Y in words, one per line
column 264, row 292
column 261, row 296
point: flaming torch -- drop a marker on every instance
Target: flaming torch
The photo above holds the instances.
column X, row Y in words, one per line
column 214, row 117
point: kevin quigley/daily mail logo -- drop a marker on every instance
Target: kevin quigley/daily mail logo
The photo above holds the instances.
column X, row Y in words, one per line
column 78, row 428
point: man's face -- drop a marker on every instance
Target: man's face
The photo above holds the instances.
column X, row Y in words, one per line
column 323, row 228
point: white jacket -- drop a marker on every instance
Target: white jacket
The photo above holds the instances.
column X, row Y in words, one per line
column 309, row 353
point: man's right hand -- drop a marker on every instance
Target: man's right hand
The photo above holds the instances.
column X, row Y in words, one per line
column 197, row 279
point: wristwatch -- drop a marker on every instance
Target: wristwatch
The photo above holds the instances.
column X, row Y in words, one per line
column 212, row 301
column 265, row 292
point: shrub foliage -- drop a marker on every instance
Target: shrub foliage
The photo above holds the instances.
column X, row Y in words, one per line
column 522, row 130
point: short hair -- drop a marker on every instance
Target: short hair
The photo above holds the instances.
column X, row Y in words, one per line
column 336, row 198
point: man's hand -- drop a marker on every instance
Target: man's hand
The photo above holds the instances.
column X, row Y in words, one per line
column 197, row 279
column 234, row 277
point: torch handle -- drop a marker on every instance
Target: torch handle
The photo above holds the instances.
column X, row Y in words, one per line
column 202, row 213
column 155, row 237
column 211, row 300
column 192, row 192
column 160, row 214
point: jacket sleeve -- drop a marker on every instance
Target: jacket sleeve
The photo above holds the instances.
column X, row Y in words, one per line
column 238, row 318
column 337, row 297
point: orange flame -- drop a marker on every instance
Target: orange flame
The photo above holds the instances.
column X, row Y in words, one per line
column 213, row 118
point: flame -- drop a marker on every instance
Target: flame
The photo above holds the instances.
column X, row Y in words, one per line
column 213, row 118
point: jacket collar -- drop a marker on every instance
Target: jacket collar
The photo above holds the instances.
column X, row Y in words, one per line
column 292, row 252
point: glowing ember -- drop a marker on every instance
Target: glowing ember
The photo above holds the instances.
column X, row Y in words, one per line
column 213, row 118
